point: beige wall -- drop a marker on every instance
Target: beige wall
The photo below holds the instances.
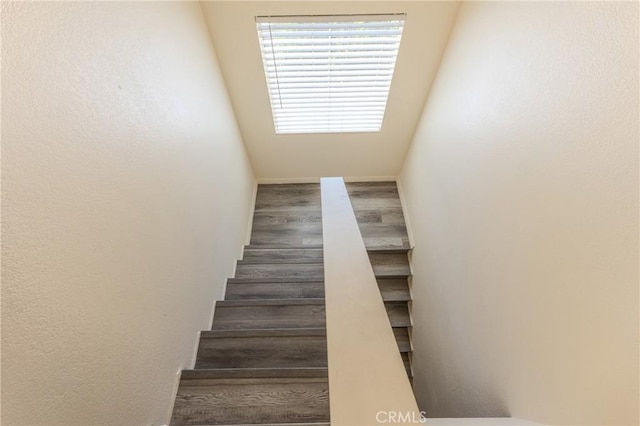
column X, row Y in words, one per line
column 522, row 189
column 307, row 157
column 126, row 192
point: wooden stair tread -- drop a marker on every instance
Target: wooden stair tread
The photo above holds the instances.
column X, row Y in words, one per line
column 398, row 313
column 269, row 302
column 389, row 250
column 262, row 348
column 279, row 270
column 392, row 275
column 283, row 280
column 256, row 373
column 264, row 362
column 396, row 298
column 402, row 338
column 282, row 247
column 268, row 332
column 271, row 261
column 269, row 314
column 276, row 290
column 252, row 401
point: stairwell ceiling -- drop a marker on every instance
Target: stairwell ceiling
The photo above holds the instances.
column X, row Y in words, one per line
column 303, row 157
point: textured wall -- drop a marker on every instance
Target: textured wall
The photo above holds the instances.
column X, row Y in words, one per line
column 126, row 194
column 522, row 191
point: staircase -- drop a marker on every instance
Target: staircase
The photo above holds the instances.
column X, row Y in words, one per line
column 381, row 221
column 265, row 359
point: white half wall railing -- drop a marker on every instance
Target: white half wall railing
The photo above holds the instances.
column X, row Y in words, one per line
column 367, row 378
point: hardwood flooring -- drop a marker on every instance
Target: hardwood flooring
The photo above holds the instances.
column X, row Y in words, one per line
column 264, row 361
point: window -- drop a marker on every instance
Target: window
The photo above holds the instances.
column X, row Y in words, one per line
column 329, row 74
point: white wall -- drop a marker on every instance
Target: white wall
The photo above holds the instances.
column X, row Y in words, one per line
column 307, row 157
column 522, row 188
column 126, row 193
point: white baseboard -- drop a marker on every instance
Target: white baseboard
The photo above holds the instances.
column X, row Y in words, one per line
column 174, row 394
column 195, row 349
column 176, row 383
column 252, row 209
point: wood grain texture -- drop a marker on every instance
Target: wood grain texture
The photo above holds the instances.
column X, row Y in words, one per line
column 394, row 289
column 251, row 401
column 284, row 217
column 274, row 290
column 386, row 264
column 258, row 314
column 379, row 199
column 270, row 350
column 288, row 255
column 406, row 359
column 402, row 337
column 287, row 215
column 253, row 373
column 280, row 270
column 264, row 360
column 398, row 314
column 379, row 215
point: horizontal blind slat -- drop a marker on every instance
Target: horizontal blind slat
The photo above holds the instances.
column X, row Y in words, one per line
column 331, row 76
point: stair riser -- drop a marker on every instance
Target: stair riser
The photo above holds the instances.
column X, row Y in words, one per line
column 251, row 402
column 278, row 316
column 407, row 363
column 300, row 240
column 398, row 313
column 274, row 291
column 311, row 256
column 280, row 271
column 390, row 264
column 394, row 289
column 287, row 218
column 262, row 352
column 402, row 338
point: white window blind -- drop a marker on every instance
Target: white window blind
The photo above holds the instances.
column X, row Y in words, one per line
column 329, row 74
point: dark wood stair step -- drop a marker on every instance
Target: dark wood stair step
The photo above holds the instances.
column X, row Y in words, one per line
column 398, row 314
column 283, row 247
column 407, row 363
column 385, row 274
column 289, row 332
column 253, row 373
column 389, row 250
column 269, row 348
column 280, row 255
column 301, row 239
column 273, row 313
column 269, row 302
column 274, row 290
column 394, row 289
column 279, row 270
column 302, row 260
column 390, row 264
column 258, row 280
column 274, row 243
column 402, row 338
column 249, row 401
